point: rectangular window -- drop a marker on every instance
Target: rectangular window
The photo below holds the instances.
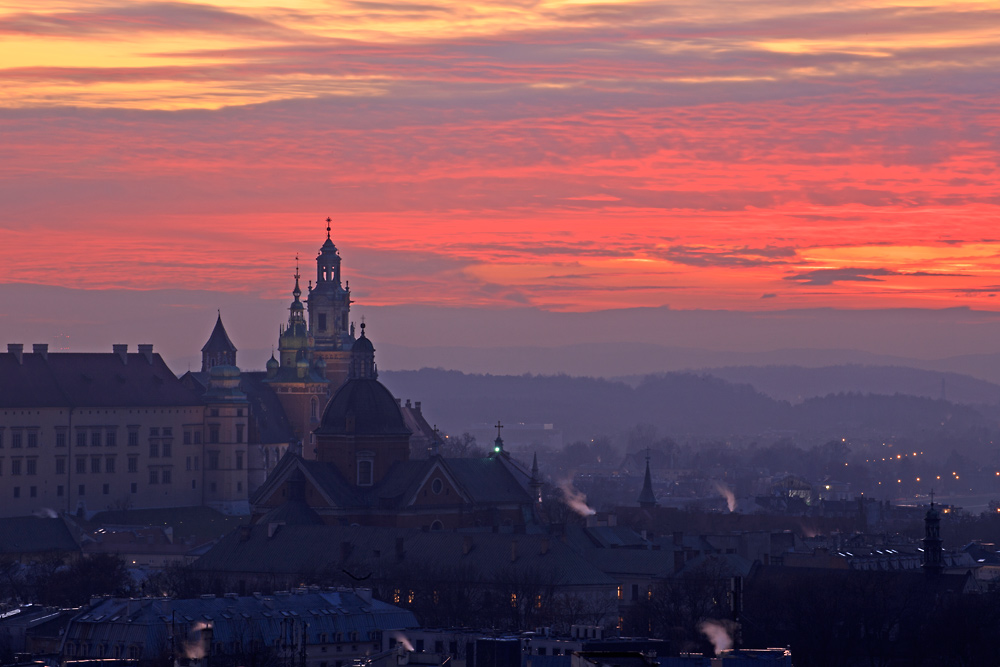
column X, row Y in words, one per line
column 365, row 472
column 197, row 463
column 95, row 465
column 168, row 431
column 197, row 437
column 32, row 466
column 213, row 460
column 111, row 439
column 213, row 434
column 133, row 464
column 166, row 477
column 187, row 437
column 154, row 431
column 106, row 489
column 15, row 438
column 133, row 436
column 187, row 463
column 15, row 466
column 322, row 321
column 32, row 438
column 154, row 476
column 61, row 465
column 95, row 438
column 239, row 460
column 81, row 490
column 154, row 450
column 167, row 449
column 239, row 433
column 59, row 491
column 60, row 439
column 134, row 488
column 109, row 464
column 81, row 438
column 17, row 492
column 1, row 436
column 81, row 465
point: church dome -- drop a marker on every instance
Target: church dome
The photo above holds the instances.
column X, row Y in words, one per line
column 272, row 363
column 362, row 345
column 363, row 406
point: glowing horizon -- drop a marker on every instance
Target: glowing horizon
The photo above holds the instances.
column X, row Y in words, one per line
column 569, row 156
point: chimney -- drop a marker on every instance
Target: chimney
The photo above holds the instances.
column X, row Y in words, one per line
column 545, row 545
column 17, row 349
column 407, row 402
column 416, row 406
column 513, row 551
column 147, row 351
column 41, row 349
column 466, row 544
column 121, row 351
column 400, row 551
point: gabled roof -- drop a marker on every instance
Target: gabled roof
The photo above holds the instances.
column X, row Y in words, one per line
column 219, row 340
column 89, row 379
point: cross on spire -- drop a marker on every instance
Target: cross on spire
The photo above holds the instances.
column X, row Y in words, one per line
column 498, row 426
column 328, row 228
column 498, row 444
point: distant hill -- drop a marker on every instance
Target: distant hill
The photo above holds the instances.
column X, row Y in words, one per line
column 796, row 383
column 681, row 405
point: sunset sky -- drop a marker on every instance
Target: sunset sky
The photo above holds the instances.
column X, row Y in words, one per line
column 565, row 156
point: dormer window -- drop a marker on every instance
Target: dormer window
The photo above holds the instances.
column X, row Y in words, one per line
column 365, row 471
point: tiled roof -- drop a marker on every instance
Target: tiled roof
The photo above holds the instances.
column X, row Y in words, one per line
column 219, row 340
column 29, row 534
column 81, row 379
column 312, row 549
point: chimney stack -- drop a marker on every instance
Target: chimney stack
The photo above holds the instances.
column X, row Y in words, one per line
column 17, row 349
column 416, row 406
column 146, row 351
column 122, row 351
column 41, row 349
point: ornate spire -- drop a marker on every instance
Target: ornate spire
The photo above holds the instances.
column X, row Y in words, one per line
column 327, row 228
column 297, row 292
column 498, row 443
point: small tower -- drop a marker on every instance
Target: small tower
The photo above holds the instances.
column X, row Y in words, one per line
column 498, row 443
column 219, row 350
column 933, row 557
column 536, row 480
column 647, row 498
column 226, row 442
column 363, row 359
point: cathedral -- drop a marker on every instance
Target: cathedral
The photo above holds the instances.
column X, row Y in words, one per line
column 331, row 444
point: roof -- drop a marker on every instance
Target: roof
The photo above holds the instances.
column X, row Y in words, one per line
column 483, row 481
column 146, row 622
column 271, row 422
column 362, row 406
column 89, row 379
column 219, row 340
column 30, row 534
column 479, row 557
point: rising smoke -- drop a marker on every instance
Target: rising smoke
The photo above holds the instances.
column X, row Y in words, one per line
column 576, row 500
column 728, row 494
column 718, row 635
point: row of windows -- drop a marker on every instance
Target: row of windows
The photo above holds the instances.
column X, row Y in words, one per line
column 108, row 436
column 155, row 477
column 18, row 437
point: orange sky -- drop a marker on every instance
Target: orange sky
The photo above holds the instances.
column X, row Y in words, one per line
column 563, row 155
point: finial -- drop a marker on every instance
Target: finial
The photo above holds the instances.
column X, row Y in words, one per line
column 296, row 266
column 932, row 498
column 498, row 427
column 327, row 228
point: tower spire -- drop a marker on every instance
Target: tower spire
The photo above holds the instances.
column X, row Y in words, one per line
column 327, row 228
column 647, row 498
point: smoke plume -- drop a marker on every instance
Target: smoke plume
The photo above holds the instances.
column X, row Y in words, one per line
column 728, row 494
column 717, row 634
column 576, row 500
column 401, row 638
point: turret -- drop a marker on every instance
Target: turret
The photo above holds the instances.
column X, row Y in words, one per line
column 329, row 301
column 933, row 557
column 219, row 350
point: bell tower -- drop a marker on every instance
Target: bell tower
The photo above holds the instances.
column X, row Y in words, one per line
column 329, row 314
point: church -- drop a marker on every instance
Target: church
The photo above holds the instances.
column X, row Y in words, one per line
column 312, row 438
